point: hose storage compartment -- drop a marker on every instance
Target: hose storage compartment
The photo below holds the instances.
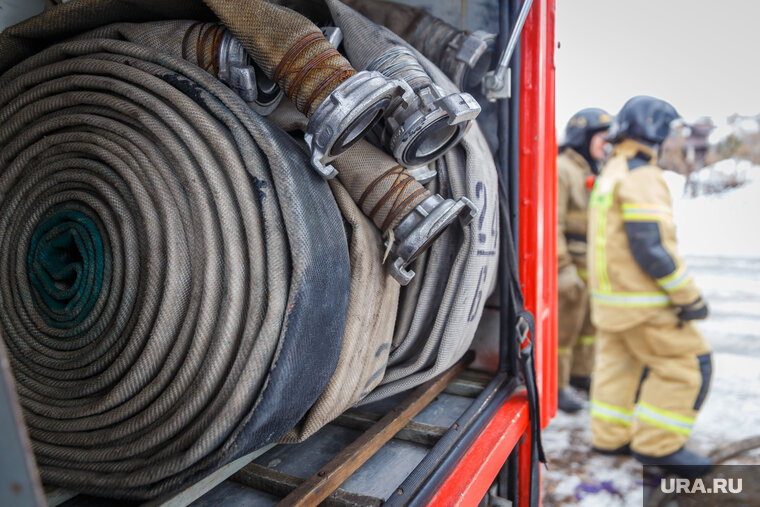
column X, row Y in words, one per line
column 175, row 279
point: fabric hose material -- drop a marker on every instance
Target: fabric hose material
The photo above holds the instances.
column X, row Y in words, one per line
column 424, row 32
column 440, row 309
column 174, row 278
column 366, row 42
column 384, row 190
column 369, row 324
column 288, row 47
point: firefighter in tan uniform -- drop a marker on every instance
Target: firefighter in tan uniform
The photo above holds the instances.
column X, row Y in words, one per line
column 582, row 150
column 653, row 366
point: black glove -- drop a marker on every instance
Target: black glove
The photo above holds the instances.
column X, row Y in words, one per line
column 696, row 310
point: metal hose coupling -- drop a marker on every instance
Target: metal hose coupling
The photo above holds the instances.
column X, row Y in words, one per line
column 433, row 123
column 238, row 71
column 463, row 56
column 422, row 227
column 409, row 215
column 348, row 113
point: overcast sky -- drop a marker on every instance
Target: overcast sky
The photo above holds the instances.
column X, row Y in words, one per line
column 703, row 56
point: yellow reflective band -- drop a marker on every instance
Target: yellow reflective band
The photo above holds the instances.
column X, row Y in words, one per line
column 601, row 202
column 653, row 207
column 670, row 421
column 675, row 280
column 644, row 212
column 631, row 299
column 583, row 273
column 564, row 351
column 586, row 339
column 641, row 217
column 611, row 413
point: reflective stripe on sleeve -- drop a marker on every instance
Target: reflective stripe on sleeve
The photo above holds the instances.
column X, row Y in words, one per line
column 670, row 421
column 564, row 351
column 644, row 212
column 586, row 339
column 611, row 413
column 675, row 280
column 631, row 299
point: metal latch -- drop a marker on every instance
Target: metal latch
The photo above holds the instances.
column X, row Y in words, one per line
column 496, row 83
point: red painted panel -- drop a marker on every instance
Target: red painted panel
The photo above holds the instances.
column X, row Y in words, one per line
column 475, row 472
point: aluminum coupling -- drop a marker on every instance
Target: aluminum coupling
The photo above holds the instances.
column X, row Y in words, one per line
column 348, row 113
column 430, row 126
column 420, row 228
column 467, row 58
column 238, row 71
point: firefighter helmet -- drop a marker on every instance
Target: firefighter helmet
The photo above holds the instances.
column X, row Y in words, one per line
column 645, row 119
column 583, row 125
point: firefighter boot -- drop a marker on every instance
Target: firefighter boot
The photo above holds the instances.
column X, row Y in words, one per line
column 581, row 383
column 683, row 462
column 568, row 402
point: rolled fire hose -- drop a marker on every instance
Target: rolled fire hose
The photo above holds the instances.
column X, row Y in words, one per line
column 342, row 104
column 174, row 278
column 439, row 311
column 435, row 121
column 463, row 56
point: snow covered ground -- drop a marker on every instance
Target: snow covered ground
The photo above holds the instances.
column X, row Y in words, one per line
column 720, row 237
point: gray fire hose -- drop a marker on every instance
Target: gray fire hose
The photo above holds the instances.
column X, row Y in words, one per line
column 465, row 57
column 435, row 121
column 165, row 296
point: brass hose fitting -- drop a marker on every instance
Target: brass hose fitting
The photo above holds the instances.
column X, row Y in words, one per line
column 342, row 104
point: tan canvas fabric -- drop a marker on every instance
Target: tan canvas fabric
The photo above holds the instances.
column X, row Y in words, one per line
column 584, row 348
column 622, row 294
column 369, row 323
column 571, row 313
column 572, row 206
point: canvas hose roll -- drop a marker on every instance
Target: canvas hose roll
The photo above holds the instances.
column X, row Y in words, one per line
column 341, row 103
column 174, row 278
column 435, row 121
column 463, row 56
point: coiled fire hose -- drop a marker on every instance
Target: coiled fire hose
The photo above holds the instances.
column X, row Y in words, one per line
column 463, row 56
column 164, row 293
column 435, row 121
column 341, row 103
column 405, row 211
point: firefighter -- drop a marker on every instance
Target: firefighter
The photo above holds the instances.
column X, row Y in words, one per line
column 653, row 366
column 577, row 164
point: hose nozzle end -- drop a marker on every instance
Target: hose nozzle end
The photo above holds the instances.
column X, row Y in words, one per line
column 430, row 127
column 422, row 227
column 348, row 113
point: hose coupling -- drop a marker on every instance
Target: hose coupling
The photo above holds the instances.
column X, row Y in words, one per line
column 421, row 228
column 433, row 124
column 424, row 174
column 348, row 113
column 238, row 71
column 467, row 57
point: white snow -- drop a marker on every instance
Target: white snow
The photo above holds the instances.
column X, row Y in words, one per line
column 719, row 236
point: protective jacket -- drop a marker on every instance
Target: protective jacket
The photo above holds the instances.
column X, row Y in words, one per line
column 575, row 339
column 634, row 269
column 572, row 205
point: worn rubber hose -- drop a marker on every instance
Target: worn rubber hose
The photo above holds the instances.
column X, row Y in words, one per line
column 173, row 277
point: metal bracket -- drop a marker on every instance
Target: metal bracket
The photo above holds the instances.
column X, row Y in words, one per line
column 496, row 83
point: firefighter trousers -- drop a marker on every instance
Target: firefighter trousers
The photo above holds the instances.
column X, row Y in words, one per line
column 648, row 385
column 584, row 349
column 572, row 316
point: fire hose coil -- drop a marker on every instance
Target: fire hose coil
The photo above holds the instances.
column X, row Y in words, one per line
column 165, row 295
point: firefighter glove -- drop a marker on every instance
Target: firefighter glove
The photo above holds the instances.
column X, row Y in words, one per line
column 696, row 310
column 569, row 282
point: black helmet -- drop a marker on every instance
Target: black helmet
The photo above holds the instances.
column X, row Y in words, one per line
column 644, row 118
column 583, row 125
